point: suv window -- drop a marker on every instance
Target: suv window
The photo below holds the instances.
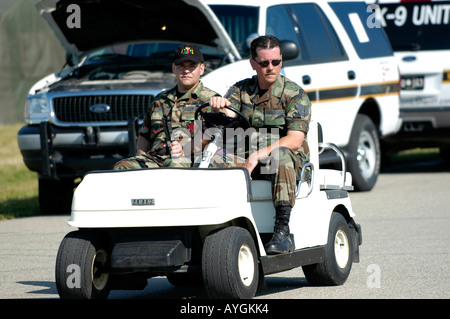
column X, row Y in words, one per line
column 304, row 24
column 150, row 50
column 368, row 42
column 318, row 39
column 280, row 24
column 239, row 22
column 417, row 26
column 149, row 56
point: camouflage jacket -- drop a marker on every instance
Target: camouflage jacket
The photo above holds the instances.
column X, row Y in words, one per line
column 180, row 111
column 285, row 107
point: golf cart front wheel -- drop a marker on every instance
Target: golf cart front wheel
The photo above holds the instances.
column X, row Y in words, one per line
column 335, row 269
column 81, row 270
column 229, row 264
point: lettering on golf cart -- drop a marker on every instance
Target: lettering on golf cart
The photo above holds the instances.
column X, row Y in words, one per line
column 188, row 309
column 142, row 201
column 74, row 20
column 374, row 279
column 74, row 279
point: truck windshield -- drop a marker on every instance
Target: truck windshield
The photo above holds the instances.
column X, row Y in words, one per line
column 239, row 22
column 150, row 55
column 417, row 25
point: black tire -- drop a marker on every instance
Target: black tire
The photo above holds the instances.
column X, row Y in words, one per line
column 81, row 270
column 364, row 157
column 55, row 196
column 229, row 264
column 335, row 269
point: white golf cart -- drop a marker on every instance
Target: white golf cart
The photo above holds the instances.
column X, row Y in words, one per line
column 203, row 226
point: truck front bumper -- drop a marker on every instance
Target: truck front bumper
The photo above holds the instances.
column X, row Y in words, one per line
column 56, row 152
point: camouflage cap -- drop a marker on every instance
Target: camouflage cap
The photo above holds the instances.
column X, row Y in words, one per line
column 188, row 52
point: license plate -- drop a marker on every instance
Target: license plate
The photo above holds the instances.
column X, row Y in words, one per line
column 412, row 82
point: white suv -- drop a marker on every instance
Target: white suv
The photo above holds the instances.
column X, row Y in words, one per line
column 418, row 32
column 86, row 116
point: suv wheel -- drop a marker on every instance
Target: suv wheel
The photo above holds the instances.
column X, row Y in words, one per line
column 364, row 154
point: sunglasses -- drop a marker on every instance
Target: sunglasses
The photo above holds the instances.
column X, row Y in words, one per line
column 265, row 64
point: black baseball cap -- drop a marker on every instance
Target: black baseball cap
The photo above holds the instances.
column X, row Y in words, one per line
column 188, row 52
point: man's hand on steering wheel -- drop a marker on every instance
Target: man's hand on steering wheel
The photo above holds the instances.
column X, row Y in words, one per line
column 221, row 120
column 219, row 104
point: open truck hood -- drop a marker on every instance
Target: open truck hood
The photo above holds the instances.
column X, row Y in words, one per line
column 93, row 24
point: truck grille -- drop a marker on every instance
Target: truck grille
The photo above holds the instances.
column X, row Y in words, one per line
column 77, row 109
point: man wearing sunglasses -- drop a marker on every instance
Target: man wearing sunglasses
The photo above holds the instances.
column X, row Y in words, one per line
column 280, row 111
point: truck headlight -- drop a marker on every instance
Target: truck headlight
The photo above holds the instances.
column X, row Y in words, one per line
column 36, row 110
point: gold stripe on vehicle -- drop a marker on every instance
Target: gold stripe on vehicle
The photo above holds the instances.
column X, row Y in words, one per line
column 380, row 89
column 446, row 76
column 349, row 92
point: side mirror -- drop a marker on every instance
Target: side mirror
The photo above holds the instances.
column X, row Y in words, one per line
column 289, row 50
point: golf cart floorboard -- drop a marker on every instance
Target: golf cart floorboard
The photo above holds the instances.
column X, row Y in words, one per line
column 277, row 263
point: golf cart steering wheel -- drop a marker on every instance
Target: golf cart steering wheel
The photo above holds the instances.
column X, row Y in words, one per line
column 221, row 120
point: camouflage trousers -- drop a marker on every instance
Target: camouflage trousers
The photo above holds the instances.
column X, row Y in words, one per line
column 283, row 169
column 149, row 161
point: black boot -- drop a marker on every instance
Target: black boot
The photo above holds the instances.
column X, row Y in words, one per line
column 282, row 241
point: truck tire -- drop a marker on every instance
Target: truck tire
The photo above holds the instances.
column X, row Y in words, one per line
column 55, row 196
column 364, row 157
column 81, row 270
column 335, row 269
column 229, row 264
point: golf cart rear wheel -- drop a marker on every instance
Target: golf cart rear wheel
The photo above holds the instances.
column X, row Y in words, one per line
column 229, row 264
column 81, row 270
column 338, row 256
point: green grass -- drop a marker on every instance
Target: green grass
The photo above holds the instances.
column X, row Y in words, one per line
column 19, row 185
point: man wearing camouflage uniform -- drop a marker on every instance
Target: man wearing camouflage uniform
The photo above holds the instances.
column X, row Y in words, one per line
column 177, row 106
column 275, row 106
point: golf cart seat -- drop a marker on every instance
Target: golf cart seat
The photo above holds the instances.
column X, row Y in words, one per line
column 328, row 179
